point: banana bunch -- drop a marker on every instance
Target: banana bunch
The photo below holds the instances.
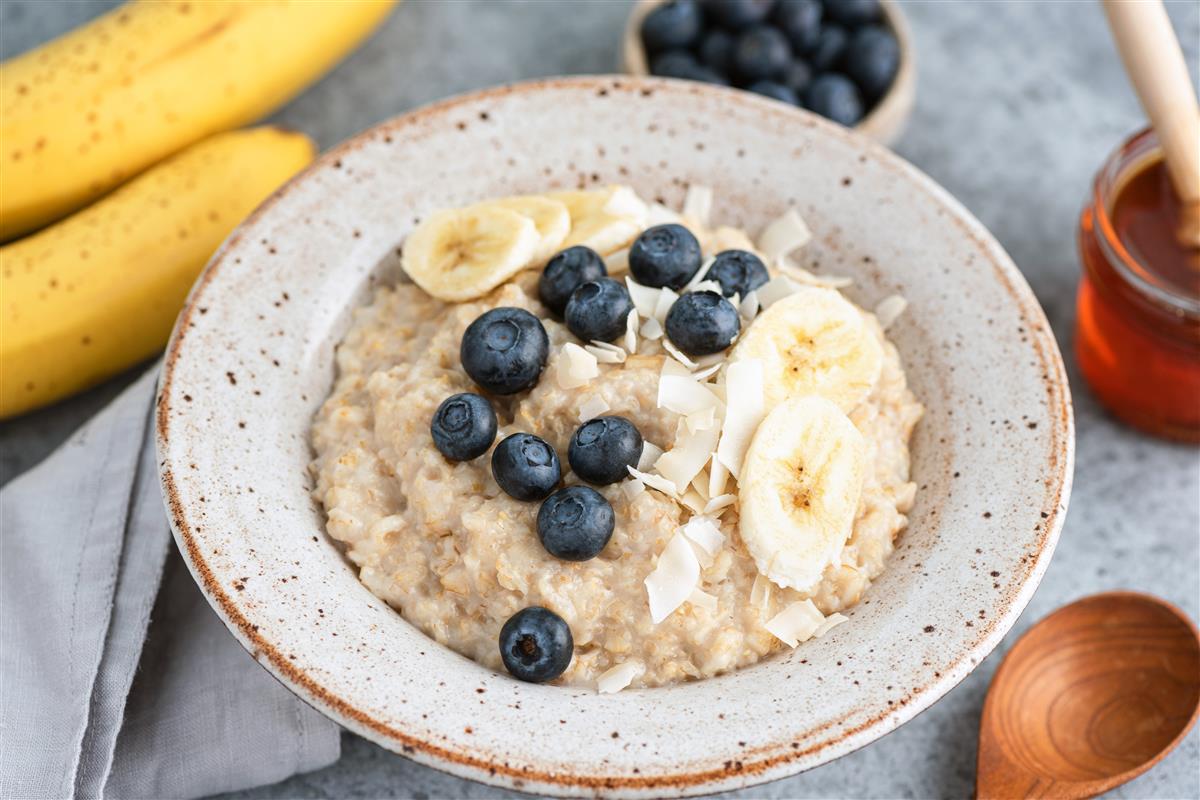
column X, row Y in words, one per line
column 802, row 476
column 99, row 291
column 86, row 112
column 462, row 253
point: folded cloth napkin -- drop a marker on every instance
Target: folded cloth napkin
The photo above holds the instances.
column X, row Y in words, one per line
column 106, row 691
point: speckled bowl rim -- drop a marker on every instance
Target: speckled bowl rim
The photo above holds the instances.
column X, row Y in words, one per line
column 720, row 776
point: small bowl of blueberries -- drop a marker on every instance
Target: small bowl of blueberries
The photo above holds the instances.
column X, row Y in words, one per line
column 850, row 61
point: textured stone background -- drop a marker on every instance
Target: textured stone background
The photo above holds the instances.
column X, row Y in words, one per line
column 1018, row 103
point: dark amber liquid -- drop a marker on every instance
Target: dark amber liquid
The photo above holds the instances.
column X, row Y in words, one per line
column 1140, row 354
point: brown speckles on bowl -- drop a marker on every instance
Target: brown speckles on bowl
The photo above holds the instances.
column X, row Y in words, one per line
column 892, row 229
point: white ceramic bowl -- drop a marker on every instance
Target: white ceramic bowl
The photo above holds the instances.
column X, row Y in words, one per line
column 252, row 358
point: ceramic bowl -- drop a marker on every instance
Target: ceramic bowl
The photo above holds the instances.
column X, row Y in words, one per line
column 886, row 119
column 252, row 358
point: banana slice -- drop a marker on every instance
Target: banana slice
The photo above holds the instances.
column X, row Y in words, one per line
column 551, row 218
column 605, row 220
column 799, row 491
column 813, row 342
column 460, row 254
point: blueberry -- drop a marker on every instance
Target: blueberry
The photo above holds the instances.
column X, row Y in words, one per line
column 575, row 523
column 598, row 309
column 797, row 77
column 716, row 50
column 665, row 255
column 536, row 645
column 602, row 448
column 526, row 466
column 463, row 427
column 682, row 64
column 871, row 60
column 800, row 21
column 735, row 15
column 738, row 271
column 674, row 24
column 831, row 43
column 852, row 13
column 700, row 323
column 760, row 53
column 566, row 272
column 776, row 91
column 834, row 97
column 505, row 350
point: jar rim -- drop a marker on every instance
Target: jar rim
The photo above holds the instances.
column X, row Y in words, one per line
column 1128, row 159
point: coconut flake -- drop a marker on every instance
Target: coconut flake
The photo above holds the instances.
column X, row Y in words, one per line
column 775, row 290
column 710, row 359
column 701, row 420
column 705, row 532
column 625, row 203
column 658, row 214
column 748, row 308
column 719, row 503
column 678, row 355
column 700, row 275
column 794, row 270
column 650, row 454
column 692, row 500
column 784, row 235
column 889, row 310
column 592, row 408
column 662, row 305
column 700, row 484
column 829, row 623
column 655, row 482
column 617, row 262
column 683, row 395
column 651, row 329
column 673, row 579
column 760, row 592
column 697, row 203
column 744, row 408
column 631, row 329
column 614, row 680
column 576, row 367
column 718, row 476
column 797, row 623
column 632, row 488
column 703, row 599
column 689, row 455
column 606, row 356
column 701, row 375
column 706, row 286
column 645, row 298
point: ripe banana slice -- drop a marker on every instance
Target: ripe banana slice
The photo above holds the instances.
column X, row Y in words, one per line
column 550, row 217
column 464, row 253
column 799, row 492
column 605, row 219
column 813, row 342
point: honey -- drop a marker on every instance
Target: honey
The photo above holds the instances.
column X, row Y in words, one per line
column 1137, row 335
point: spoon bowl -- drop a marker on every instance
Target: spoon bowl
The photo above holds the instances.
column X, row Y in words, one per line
column 1089, row 698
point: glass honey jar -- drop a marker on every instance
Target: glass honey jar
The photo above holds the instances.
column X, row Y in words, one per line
column 1137, row 334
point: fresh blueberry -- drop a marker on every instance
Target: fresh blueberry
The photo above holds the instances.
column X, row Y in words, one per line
column 834, row 97
column 797, row 76
column 776, row 91
column 677, row 23
column 505, row 350
column 831, row 43
column 566, row 272
column 738, row 271
column 603, row 447
column 760, row 53
column 852, row 13
column 800, row 21
column 871, row 60
column 536, row 645
column 736, row 15
column 597, row 310
column 463, row 427
column 701, row 323
column 665, row 255
column 575, row 523
column 716, row 50
column 682, row 64
column 526, row 466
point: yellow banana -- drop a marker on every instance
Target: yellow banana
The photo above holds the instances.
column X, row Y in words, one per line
column 99, row 291
column 84, row 113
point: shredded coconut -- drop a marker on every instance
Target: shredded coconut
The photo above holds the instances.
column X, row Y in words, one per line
column 673, row 579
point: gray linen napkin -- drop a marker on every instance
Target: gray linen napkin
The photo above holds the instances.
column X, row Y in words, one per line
column 103, row 690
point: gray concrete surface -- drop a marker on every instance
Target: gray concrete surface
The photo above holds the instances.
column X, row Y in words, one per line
column 1018, row 103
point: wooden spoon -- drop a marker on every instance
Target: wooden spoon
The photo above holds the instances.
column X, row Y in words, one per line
column 1089, row 698
column 1160, row 77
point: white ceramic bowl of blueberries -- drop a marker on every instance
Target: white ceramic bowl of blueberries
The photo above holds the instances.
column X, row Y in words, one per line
column 850, row 61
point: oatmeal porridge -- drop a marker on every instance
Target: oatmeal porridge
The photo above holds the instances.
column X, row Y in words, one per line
column 746, row 457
